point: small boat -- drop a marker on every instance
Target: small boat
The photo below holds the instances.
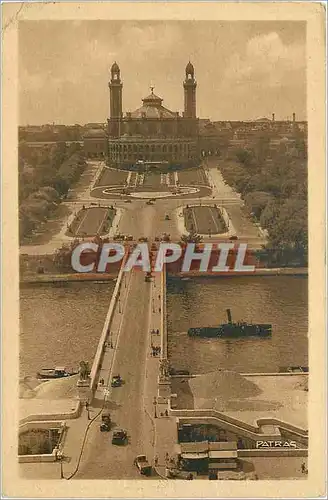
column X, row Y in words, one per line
column 50, row 373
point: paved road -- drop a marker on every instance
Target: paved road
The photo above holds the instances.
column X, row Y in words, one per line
column 140, row 219
column 91, row 221
column 101, row 459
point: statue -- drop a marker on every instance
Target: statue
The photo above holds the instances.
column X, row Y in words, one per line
column 84, row 370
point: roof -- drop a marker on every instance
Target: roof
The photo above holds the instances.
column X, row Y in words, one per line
column 222, row 445
column 223, row 454
column 194, row 456
column 201, row 447
column 189, row 68
column 95, row 132
column 147, row 111
column 152, row 108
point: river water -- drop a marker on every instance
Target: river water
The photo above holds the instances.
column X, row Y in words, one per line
column 60, row 324
column 279, row 300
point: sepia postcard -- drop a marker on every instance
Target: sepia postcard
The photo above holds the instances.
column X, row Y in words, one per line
column 163, row 237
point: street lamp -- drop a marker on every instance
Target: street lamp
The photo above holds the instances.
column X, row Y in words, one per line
column 155, row 407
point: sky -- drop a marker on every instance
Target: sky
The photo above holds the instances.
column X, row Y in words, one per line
column 244, row 70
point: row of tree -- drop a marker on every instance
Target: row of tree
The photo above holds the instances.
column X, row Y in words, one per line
column 274, row 189
column 45, row 177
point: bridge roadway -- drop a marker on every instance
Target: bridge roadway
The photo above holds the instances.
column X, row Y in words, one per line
column 131, row 404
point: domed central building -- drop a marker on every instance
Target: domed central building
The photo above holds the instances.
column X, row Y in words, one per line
column 152, row 135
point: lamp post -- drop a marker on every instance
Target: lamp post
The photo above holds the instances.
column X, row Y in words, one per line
column 155, row 407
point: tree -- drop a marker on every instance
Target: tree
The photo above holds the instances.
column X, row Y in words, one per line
column 256, row 202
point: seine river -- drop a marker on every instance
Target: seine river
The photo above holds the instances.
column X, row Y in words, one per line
column 61, row 324
column 279, row 300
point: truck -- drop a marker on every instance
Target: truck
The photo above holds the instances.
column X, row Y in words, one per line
column 143, row 465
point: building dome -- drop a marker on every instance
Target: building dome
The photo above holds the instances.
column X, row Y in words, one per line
column 190, row 69
column 115, row 68
column 152, row 99
column 152, row 108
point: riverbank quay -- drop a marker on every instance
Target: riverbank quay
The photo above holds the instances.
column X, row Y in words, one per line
column 279, row 271
column 66, row 278
column 97, row 277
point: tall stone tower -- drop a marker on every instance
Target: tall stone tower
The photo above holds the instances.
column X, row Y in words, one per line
column 189, row 86
column 115, row 105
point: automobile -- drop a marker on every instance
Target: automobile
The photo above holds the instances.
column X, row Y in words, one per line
column 120, row 437
column 104, row 427
column 143, row 239
column 149, row 202
column 233, row 237
column 127, row 200
column 106, row 421
column 143, row 465
column 118, row 237
column 128, row 237
column 167, row 217
column 178, row 474
column 116, row 381
column 157, row 238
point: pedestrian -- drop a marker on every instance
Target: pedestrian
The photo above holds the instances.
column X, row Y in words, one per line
column 156, row 461
column 157, row 331
column 167, row 457
column 303, row 468
column 159, row 310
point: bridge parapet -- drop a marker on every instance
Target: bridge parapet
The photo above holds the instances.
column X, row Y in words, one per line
column 105, row 331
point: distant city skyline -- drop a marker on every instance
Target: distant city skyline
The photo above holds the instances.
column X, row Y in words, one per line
column 244, row 70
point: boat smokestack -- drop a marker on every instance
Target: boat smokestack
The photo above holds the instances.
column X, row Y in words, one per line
column 229, row 316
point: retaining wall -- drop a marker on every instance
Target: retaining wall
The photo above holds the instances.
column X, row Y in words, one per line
column 52, row 416
column 249, row 430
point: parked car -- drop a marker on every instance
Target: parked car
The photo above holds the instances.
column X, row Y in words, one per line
column 179, row 474
column 233, row 237
column 143, row 465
